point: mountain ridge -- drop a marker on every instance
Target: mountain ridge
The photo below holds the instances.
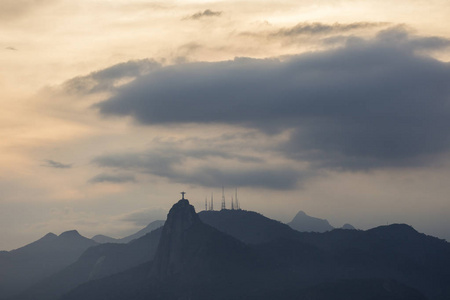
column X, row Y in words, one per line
column 247, row 226
column 25, row 266
column 306, row 223
column 95, row 263
column 100, row 238
column 195, row 260
column 283, row 268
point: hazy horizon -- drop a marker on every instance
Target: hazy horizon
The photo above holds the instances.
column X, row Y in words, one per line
column 145, row 217
column 111, row 108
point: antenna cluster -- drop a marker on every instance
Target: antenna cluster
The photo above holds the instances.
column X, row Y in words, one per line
column 234, row 201
column 209, row 205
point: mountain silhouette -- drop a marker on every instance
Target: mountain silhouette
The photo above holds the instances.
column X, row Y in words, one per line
column 102, row 239
column 247, row 226
column 196, row 261
column 95, row 263
column 348, row 226
column 303, row 222
column 25, row 266
column 189, row 259
column 190, row 249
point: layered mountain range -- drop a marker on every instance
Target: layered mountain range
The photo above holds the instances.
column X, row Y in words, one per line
column 28, row 265
column 102, row 239
column 303, row 222
column 237, row 254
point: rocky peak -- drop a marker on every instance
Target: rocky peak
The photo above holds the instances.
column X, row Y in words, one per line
column 303, row 222
column 70, row 234
column 169, row 256
column 181, row 216
column 49, row 237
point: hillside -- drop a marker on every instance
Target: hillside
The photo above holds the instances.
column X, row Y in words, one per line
column 25, row 266
column 95, row 263
column 247, row 226
column 101, row 239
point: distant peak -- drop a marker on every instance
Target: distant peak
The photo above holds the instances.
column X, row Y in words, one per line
column 302, row 215
column 49, row 236
column 348, row 226
column 304, row 222
column 70, row 233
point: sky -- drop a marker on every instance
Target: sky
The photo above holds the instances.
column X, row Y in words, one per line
column 111, row 108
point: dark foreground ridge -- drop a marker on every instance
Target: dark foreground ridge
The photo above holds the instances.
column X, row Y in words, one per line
column 188, row 259
column 247, row 226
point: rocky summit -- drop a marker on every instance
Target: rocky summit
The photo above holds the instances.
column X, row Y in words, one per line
column 169, row 256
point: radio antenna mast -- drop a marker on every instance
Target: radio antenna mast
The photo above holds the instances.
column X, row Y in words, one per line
column 211, row 206
column 223, row 198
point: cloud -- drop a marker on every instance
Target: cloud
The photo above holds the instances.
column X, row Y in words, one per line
column 317, row 28
column 107, row 79
column 11, row 48
column 187, row 49
column 205, row 13
column 269, row 177
column 400, row 36
column 321, row 33
column 13, row 9
column 205, row 167
column 373, row 103
column 57, row 165
column 112, row 178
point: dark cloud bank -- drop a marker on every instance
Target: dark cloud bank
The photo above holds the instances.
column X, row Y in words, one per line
column 112, row 178
column 166, row 161
column 371, row 104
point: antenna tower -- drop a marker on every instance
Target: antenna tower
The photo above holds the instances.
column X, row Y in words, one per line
column 237, row 201
column 223, row 198
column 211, row 206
